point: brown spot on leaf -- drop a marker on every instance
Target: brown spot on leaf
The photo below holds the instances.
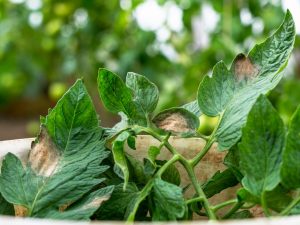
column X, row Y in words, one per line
column 96, row 202
column 172, row 122
column 243, row 68
column 44, row 155
column 20, row 211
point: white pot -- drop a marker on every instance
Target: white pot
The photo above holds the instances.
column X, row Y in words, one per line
column 187, row 147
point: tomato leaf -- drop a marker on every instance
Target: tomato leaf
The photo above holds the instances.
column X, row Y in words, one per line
column 290, row 169
column 261, row 148
column 230, row 94
column 64, row 162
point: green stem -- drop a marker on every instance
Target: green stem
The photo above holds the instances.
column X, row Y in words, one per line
column 189, row 168
column 167, row 164
column 287, row 210
column 198, row 189
column 234, row 208
column 265, row 205
column 192, row 200
column 202, row 153
column 224, row 204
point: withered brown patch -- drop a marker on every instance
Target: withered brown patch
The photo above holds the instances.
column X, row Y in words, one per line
column 243, row 68
column 96, row 202
column 20, row 211
column 44, row 155
column 172, row 122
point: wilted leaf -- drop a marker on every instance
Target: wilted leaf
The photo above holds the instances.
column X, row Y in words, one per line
column 231, row 93
column 178, row 120
column 115, row 207
column 64, row 163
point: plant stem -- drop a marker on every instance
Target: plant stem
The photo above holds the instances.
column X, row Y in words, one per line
column 202, row 153
column 189, row 168
column 224, row 204
column 192, row 200
column 234, row 208
column 198, row 189
column 287, row 210
column 167, row 164
column 264, row 205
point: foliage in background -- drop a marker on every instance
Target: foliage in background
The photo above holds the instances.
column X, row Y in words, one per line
column 47, row 44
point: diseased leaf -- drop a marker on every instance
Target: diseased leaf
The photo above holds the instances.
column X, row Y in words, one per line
column 6, row 208
column 145, row 92
column 168, row 201
column 85, row 207
column 231, row 93
column 178, row 120
column 115, row 207
column 290, row 168
column 261, row 148
column 64, row 162
column 219, row 182
column 119, row 155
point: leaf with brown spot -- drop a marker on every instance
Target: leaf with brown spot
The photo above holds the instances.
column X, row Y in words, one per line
column 177, row 120
column 64, row 163
column 230, row 93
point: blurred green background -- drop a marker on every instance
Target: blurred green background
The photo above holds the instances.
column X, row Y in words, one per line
column 46, row 44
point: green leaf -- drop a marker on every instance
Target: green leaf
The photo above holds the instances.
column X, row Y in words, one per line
column 119, row 155
column 219, row 182
column 261, row 148
column 244, row 214
column 153, row 152
column 177, row 120
column 115, row 207
column 172, row 175
column 64, row 162
column 116, row 97
column 136, row 169
column 232, row 161
column 131, row 142
column 215, row 92
column 277, row 199
column 6, row 208
column 231, row 93
column 145, row 92
column 136, row 201
column 168, row 201
column 85, row 207
column 193, row 107
column 290, row 168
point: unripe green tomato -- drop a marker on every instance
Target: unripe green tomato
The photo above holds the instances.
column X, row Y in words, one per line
column 207, row 124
